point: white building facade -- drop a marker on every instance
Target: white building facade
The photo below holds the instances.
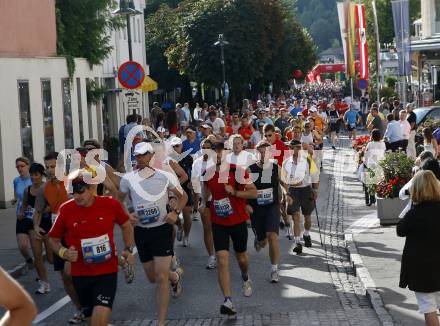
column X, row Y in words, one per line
column 42, row 109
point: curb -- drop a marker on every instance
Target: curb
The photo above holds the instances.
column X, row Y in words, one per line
column 367, row 282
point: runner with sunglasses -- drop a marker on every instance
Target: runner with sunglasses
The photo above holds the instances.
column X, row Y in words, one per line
column 300, row 177
column 148, row 191
column 87, row 225
column 48, row 200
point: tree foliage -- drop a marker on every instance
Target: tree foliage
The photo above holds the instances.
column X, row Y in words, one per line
column 83, row 28
column 265, row 42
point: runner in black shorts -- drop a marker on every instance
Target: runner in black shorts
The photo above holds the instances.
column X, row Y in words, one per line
column 301, row 177
column 41, row 226
column 148, row 190
column 265, row 209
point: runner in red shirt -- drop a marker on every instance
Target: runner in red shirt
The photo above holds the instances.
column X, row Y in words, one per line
column 246, row 129
column 86, row 223
column 278, row 145
column 229, row 216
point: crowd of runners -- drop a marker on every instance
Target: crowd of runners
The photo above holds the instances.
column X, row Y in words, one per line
column 254, row 169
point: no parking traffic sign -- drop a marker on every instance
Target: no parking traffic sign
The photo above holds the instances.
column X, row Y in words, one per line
column 131, row 74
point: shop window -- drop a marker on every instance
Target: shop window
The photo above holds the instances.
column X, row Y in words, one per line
column 25, row 119
column 46, row 97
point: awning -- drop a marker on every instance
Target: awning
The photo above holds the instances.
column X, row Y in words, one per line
column 425, row 45
column 148, row 85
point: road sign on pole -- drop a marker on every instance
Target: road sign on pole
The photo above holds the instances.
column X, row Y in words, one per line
column 132, row 100
column 131, row 75
column 362, row 84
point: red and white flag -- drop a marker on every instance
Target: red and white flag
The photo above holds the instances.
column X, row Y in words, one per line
column 361, row 29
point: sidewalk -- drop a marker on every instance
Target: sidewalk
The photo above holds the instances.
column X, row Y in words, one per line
column 376, row 255
column 10, row 257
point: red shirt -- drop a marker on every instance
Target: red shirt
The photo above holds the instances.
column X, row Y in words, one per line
column 225, row 209
column 280, row 148
column 246, row 132
column 90, row 231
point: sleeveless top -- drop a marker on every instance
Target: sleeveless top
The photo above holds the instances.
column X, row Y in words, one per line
column 267, row 192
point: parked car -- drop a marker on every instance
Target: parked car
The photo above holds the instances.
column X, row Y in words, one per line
column 424, row 113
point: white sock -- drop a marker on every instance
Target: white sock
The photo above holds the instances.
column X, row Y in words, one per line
column 306, row 233
column 297, row 239
column 274, row 267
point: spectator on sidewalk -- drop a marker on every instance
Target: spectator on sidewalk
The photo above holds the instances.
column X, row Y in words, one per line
column 429, row 142
column 393, row 134
column 420, row 258
column 406, row 128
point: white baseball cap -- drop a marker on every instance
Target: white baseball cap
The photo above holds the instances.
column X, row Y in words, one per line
column 313, row 109
column 161, row 129
column 142, row 148
column 175, row 141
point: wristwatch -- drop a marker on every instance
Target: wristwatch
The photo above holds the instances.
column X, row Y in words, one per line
column 129, row 249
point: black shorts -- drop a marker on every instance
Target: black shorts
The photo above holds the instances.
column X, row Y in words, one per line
column 46, row 224
column 24, row 226
column 302, row 199
column 154, row 242
column 264, row 220
column 190, row 197
column 94, row 291
column 335, row 128
column 222, row 234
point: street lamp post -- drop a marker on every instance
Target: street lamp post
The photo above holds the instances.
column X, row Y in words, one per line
column 222, row 42
column 127, row 9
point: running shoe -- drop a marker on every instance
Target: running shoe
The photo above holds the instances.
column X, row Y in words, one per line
column 298, row 249
column 43, row 288
column 212, row 262
column 333, row 147
column 227, row 308
column 185, row 242
column 179, row 234
column 77, row 318
column 282, row 225
column 307, row 241
column 247, row 288
column 176, row 288
column 274, row 276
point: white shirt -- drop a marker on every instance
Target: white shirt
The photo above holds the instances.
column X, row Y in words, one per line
column 198, row 169
column 406, row 128
column 149, row 195
column 216, row 125
column 374, row 152
column 244, row 158
column 197, row 113
column 298, row 174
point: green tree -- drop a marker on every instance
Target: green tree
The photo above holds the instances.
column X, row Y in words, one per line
column 83, row 28
column 262, row 41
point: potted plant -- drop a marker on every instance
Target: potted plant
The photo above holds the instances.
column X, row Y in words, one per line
column 391, row 174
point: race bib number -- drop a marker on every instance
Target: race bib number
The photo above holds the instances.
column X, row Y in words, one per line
column 265, row 196
column 29, row 213
column 148, row 213
column 223, row 207
column 54, row 217
column 96, row 250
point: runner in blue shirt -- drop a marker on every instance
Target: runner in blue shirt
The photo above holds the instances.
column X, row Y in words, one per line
column 351, row 119
column 191, row 141
column 24, row 225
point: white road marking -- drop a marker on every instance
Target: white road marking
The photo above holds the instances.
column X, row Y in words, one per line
column 59, row 304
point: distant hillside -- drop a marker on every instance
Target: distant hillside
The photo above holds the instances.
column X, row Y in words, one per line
column 320, row 17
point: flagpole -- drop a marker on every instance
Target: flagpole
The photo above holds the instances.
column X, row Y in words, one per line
column 403, row 55
column 376, row 31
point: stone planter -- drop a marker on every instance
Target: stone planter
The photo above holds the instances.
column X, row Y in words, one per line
column 388, row 210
